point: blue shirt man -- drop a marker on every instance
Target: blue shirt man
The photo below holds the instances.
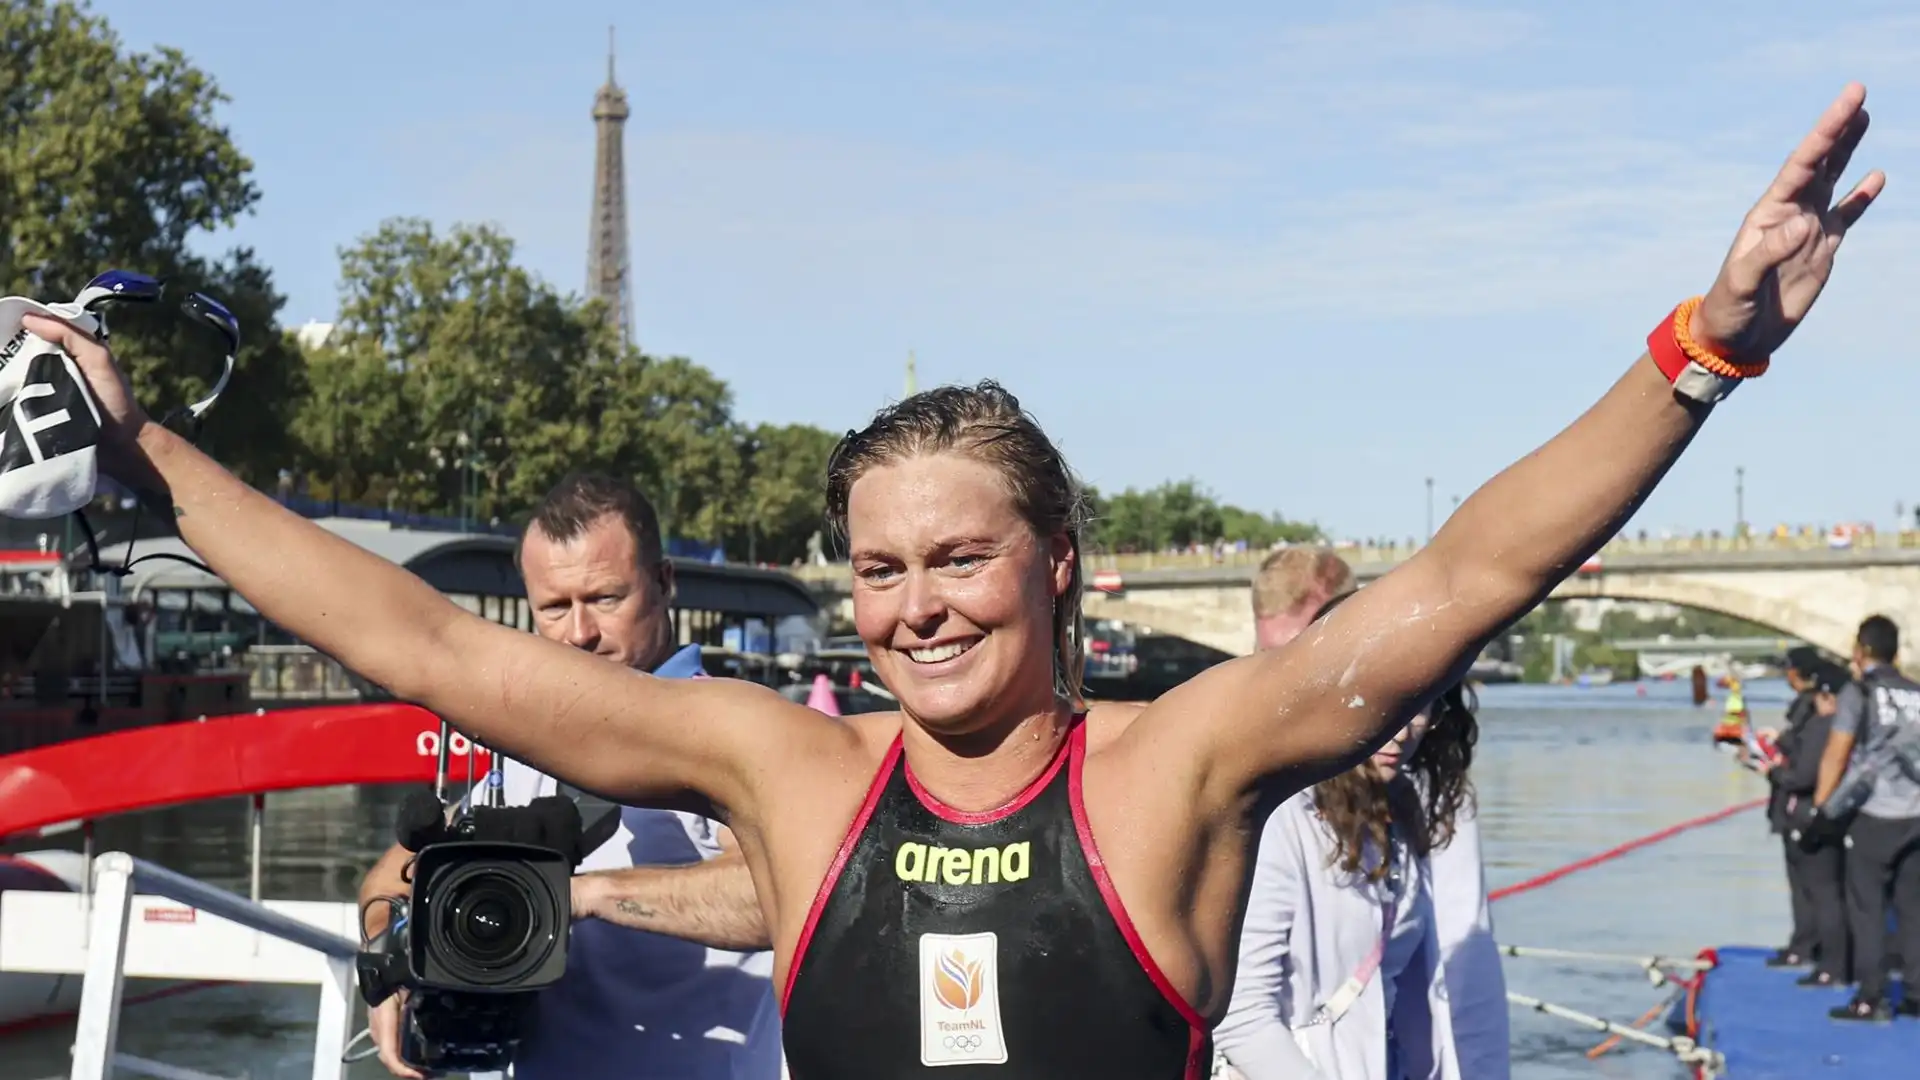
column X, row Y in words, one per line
column 635, row 1003
column 654, row 1005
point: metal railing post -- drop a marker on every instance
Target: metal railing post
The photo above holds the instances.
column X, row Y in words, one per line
column 256, row 820
column 334, row 1028
column 86, row 873
column 98, row 1026
column 115, row 878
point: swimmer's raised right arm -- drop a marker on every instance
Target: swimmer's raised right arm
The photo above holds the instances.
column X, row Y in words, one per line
column 670, row 743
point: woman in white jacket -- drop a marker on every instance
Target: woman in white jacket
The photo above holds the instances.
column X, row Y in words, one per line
column 1476, row 983
column 1340, row 974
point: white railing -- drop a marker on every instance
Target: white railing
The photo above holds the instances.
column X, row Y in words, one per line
column 216, row 936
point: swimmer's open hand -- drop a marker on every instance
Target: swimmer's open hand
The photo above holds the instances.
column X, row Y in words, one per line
column 121, row 417
column 1784, row 251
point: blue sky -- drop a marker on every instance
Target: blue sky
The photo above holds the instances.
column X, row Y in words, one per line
column 1309, row 257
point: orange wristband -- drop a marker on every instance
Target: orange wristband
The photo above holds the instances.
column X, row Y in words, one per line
column 1712, row 361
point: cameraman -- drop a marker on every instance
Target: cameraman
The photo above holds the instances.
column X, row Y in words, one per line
column 633, row 1003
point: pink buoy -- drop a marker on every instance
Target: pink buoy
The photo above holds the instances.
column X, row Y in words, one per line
column 822, row 698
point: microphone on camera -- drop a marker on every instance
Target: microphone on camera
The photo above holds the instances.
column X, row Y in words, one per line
column 421, row 821
column 554, row 822
column 551, row 821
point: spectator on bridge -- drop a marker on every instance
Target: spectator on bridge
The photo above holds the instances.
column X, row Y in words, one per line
column 1875, row 715
column 1816, row 878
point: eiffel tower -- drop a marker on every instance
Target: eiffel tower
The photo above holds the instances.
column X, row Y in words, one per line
column 608, row 269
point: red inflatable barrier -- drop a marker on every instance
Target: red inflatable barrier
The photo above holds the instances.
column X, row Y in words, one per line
column 224, row 757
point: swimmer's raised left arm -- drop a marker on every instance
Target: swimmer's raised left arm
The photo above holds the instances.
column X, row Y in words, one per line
column 1280, row 720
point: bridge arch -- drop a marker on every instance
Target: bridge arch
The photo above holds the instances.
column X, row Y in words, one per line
column 1821, row 607
column 1711, row 601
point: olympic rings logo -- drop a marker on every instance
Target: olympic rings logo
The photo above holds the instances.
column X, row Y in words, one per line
column 962, row 1042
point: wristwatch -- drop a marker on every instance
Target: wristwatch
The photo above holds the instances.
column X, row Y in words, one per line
column 1695, row 371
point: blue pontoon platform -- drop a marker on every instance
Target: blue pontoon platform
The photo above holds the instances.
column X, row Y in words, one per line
column 1767, row 1028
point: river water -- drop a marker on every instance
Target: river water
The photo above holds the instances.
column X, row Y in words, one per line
column 1562, row 773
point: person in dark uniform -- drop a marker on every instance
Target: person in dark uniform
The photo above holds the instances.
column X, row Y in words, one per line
column 1815, row 877
column 1001, row 880
column 1801, row 946
column 1874, row 713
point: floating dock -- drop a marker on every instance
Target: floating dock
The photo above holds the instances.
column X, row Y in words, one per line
column 1767, row 1028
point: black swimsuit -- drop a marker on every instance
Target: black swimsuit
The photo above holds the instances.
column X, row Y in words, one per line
column 990, row 944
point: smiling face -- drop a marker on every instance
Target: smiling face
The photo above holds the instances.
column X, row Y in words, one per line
column 953, row 592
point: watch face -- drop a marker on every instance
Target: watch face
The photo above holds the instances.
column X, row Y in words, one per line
column 1702, row 385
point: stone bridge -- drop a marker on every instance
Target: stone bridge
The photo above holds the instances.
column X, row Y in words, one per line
column 1797, row 585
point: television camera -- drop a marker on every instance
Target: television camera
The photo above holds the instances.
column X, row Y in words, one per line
column 484, row 931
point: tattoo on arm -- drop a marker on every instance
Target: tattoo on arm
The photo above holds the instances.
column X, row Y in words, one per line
column 634, row 909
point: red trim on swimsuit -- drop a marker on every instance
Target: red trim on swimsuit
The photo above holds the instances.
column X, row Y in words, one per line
column 839, row 864
column 986, row 817
column 1077, row 743
column 1199, row 1060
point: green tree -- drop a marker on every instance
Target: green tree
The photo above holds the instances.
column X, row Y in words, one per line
column 457, row 380
column 786, row 491
column 348, row 426
column 1097, row 506
column 1191, row 515
column 668, row 424
column 1180, row 513
column 1130, row 521
column 1265, row 530
column 110, row 159
column 453, row 381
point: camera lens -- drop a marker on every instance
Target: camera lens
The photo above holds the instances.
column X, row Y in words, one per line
column 488, row 919
column 489, row 923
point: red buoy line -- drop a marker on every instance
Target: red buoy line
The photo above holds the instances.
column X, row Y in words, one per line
column 1689, row 987
column 1611, row 854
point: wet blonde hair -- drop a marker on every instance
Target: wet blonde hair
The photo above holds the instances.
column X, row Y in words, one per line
column 985, row 423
